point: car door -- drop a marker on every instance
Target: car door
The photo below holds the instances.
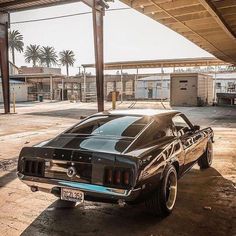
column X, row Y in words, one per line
column 199, row 139
column 188, row 139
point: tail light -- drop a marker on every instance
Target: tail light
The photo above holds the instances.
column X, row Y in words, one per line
column 108, row 176
column 34, row 167
column 126, row 177
column 117, row 177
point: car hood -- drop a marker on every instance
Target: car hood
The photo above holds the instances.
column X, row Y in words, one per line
column 90, row 143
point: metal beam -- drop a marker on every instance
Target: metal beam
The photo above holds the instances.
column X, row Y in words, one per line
column 12, row 6
column 15, row 5
column 98, row 13
column 183, row 62
column 4, row 63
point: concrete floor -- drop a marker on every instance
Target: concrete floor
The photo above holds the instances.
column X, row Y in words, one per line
column 206, row 202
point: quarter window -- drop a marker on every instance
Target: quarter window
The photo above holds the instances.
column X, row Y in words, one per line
column 181, row 125
column 155, row 132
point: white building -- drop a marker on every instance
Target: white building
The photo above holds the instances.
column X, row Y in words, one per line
column 225, row 82
column 18, row 89
column 153, row 87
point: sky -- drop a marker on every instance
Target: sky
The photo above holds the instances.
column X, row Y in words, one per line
column 128, row 35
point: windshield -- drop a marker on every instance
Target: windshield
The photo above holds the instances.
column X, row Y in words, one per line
column 121, row 126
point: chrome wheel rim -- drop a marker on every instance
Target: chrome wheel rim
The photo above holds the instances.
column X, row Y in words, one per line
column 171, row 190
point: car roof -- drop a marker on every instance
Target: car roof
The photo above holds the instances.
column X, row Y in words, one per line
column 142, row 112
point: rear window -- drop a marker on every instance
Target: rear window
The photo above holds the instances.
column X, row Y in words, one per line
column 122, row 126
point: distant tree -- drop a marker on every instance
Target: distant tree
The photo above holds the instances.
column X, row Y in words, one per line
column 15, row 41
column 67, row 58
column 48, row 56
column 32, row 53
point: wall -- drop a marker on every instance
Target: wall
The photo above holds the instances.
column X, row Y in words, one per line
column 153, row 89
column 13, row 70
column 183, row 90
column 205, row 88
column 20, row 90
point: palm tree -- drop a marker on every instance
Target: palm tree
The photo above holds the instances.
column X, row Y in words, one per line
column 67, row 58
column 15, row 41
column 32, row 53
column 48, row 56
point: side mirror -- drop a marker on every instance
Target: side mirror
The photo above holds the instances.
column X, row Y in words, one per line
column 196, row 127
column 82, row 117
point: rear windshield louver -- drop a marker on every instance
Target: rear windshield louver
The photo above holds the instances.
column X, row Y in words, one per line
column 34, row 168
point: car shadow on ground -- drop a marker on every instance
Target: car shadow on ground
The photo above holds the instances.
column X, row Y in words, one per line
column 205, row 206
column 8, row 177
column 7, row 170
column 73, row 113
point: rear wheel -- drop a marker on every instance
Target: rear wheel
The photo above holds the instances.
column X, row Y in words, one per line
column 162, row 201
column 205, row 160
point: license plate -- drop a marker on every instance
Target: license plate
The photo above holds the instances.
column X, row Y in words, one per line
column 72, row 195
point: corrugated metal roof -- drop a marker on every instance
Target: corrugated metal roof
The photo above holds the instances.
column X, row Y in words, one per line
column 175, row 62
column 13, row 5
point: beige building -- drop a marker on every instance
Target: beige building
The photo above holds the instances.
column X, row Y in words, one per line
column 191, row 89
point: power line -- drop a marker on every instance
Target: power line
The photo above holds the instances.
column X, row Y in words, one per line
column 65, row 16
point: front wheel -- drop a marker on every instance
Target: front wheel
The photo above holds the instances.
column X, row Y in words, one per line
column 205, row 160
column 162, row 201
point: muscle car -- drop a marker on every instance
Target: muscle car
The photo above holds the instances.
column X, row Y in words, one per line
column 120, row 156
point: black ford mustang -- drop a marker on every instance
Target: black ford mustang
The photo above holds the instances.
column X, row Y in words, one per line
column 120, row 156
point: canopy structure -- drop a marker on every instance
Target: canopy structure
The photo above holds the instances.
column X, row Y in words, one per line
column 183, row 62
column 211, row 24
column 15, row 5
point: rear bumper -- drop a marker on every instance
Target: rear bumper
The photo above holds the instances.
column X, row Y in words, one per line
column 91, row 191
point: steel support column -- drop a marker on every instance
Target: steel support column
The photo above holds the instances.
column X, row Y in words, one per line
column 84, row 85
column 121, row 84
column 98, row 13
column 51, row 88
column 4, row 65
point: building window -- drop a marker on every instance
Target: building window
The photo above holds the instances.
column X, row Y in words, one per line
column 231, row 87
column 183, row 84
column 218, row 85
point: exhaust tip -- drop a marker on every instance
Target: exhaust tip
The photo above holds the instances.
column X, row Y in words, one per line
column 121, row 203
column 34, row 189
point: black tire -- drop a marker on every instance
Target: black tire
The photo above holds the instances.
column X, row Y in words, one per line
column 205, row 160
column 64, row 204
column 162, row 201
